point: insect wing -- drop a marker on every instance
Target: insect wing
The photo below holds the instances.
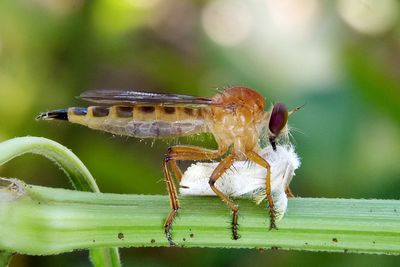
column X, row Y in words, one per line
column 127, row 97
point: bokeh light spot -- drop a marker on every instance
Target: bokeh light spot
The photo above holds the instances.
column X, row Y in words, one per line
column 293, row 16
column 369, row 16
column 227, row 22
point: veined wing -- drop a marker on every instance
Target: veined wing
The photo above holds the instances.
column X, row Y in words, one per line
column 127, row 97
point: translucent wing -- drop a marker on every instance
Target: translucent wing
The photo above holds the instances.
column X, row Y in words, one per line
column 126, row 97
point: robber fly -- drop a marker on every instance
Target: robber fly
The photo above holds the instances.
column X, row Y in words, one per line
column 235, row 116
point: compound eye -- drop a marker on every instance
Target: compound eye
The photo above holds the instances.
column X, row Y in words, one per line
column 278, row 119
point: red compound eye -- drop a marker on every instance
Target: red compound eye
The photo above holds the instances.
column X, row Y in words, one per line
column 278, row 119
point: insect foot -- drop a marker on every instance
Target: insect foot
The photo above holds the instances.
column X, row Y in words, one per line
column 168, row 227
column 272, row 221
column 235, row 225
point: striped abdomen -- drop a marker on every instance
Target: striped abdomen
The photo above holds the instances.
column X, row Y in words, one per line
column 138, row 121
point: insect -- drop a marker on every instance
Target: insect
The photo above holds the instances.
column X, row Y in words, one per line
column 236, row 117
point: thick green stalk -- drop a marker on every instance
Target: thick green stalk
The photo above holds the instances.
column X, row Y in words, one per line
column 42, row 221
column 72, row 166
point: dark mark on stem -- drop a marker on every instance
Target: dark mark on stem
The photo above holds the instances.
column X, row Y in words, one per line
column 120, row 236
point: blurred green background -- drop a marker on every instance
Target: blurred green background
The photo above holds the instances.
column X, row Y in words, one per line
column 341, row 58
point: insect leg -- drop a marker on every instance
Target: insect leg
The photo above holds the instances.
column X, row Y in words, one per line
column 173, row 201
column 181, row 153
column 224, row 165
column 289, row 192
column 176, row 170
column 253, row 156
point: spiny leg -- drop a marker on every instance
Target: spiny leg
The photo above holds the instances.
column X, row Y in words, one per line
column 197, row 153
column 174, row 166
column 173, row 201
column 224, row 165
column 181, row 153
column 253, row 156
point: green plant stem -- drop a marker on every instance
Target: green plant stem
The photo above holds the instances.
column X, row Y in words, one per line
column 45, row 221
column 72, row 166
column 76, row 171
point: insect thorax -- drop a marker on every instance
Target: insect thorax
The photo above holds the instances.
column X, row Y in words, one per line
column 237, row 119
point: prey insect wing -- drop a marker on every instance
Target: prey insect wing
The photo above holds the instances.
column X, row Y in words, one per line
column 129, row 97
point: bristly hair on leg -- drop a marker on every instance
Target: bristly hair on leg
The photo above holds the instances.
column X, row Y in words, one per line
column 233, row 169
column 247, row 163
